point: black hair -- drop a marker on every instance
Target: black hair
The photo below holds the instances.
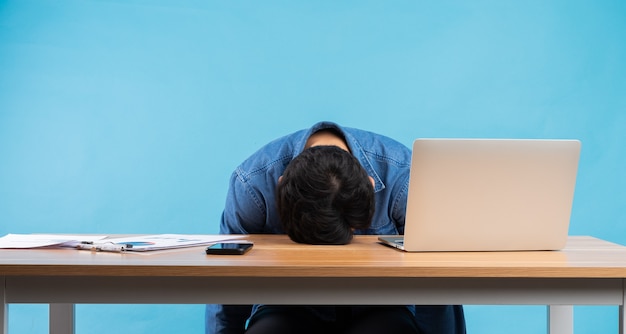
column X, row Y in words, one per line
column 323, row 195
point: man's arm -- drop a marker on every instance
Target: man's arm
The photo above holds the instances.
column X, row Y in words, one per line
column 226, row 319
column 243, row 211
column 398, row 209
column 241, row 215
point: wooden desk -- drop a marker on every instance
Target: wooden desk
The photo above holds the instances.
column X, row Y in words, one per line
column 277, row 271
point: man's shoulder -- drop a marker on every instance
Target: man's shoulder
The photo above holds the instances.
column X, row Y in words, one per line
column 272, row 157
column 381, row 148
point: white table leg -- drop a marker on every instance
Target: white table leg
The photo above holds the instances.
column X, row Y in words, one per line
column 560, row 319
column 61, row 318
column 622, row 316
column 622, row 311
column 4, row 307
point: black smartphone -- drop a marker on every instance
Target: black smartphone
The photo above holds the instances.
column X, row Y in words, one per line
column 229, row 248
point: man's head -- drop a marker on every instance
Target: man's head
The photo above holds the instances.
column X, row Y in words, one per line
column 323, row 195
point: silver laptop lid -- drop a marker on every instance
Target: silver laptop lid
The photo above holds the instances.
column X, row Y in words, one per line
column 490, row 194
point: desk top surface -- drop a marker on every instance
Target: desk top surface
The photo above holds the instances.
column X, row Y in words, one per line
column 277, row 256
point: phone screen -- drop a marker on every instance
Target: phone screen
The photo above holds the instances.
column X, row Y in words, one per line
column 229, row 248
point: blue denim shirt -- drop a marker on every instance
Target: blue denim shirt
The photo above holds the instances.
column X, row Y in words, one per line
column 250, row 203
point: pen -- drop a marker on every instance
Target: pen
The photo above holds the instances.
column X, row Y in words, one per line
column 105, row 247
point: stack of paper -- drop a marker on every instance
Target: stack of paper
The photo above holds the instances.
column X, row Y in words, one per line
column 102, row 243
column 46, row 240
column 168, row 241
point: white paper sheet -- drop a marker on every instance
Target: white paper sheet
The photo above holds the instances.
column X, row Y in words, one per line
column 45, row 240
column 169, row 241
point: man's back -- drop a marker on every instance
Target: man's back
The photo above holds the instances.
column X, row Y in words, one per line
column 250, row 205
column 251, row 208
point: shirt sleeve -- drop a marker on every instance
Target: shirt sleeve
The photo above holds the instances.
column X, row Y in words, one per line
column 226, row 319
column 243, row 214
column 244, row 210
column 398, row 210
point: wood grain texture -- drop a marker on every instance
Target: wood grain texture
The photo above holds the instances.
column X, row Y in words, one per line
column 277, row 256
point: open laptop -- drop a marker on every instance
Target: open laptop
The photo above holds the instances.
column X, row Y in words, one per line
column 489, row 195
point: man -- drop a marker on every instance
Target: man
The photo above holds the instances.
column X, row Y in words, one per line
column 320, row 186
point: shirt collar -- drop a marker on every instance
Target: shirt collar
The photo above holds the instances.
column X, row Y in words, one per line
column 354, row 145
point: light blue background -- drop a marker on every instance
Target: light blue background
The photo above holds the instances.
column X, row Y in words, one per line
column 128, row 116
